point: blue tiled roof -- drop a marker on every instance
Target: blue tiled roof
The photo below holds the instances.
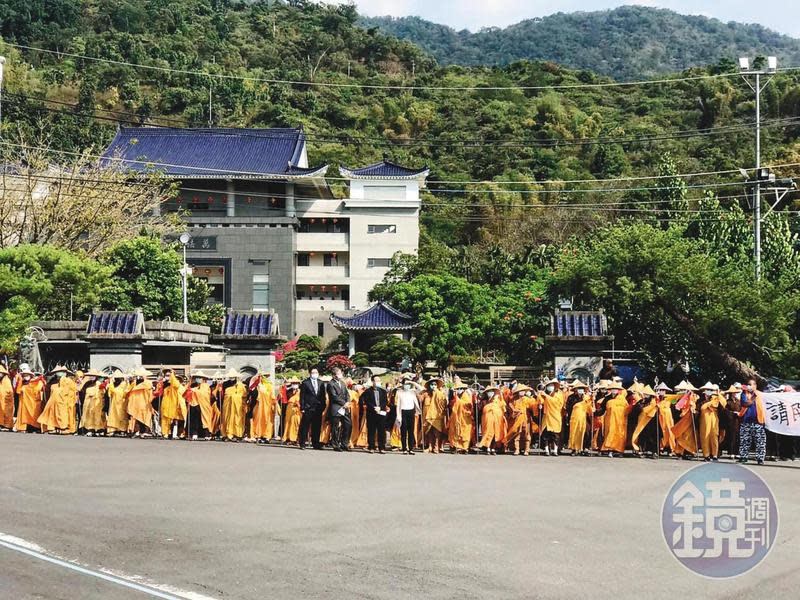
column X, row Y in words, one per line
column 386, row 169
column 579, row 324
column 250, row 323
column 380, row 317
column 210, row 153
column 115, row 323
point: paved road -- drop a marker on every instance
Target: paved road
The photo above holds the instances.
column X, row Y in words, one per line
column 243, row 521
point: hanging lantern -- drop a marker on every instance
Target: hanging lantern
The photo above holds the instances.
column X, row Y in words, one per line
column 221, row 270
column 249, row 200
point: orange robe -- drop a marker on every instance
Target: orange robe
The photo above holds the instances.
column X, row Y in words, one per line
column 291, row 426
column 234, row 409
column 553, row 406
column 262, row 425
column 140, row 407
column 578, row 421
column 92, row 416
column 434, row 411
column 709, row 425
column 684, row 429
column 493, row 422
column 356, row 417
column 462, row 422
column 117, row 407
column 56, row 413
column 666, row 423
column 173, row 404
column 6, row 403
column 616, row 424
column 648, row 412
column 30, row 404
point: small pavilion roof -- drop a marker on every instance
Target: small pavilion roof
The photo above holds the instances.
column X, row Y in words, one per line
column 378, row 317
column 384, row 170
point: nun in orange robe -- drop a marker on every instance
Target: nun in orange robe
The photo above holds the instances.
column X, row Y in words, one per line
column 518, row 434
column 462, row 420
column 708, row 430
column 55, row 416
column 29, row 392
column 262, row 424
column 434, row 415
column 648, row 411
column 356, row 417
column 6, row 399
column 616, row 422
column 140, row 404
column 493, row 421
column 684, row 430
column 117, row 420
column 291, row 426
column 582, row 411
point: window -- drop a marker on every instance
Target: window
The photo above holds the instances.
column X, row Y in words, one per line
column 303, row 259
column 384, row 192
column 321, row 329
column 381, row 228
column 346, row 294
column 382, row 263
column 260, row 291
column 330, row 260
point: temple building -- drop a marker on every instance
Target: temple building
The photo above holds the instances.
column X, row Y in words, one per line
column 267, row 233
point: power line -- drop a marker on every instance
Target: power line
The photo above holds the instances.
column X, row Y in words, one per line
column 276, row 176
column 323, row 84
column 137, row 119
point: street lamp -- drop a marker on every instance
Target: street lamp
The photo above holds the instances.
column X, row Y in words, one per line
column 184, row 239
column 746, row 71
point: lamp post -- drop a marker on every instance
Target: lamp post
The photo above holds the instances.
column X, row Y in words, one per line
column 757, row 87
column 184, row 239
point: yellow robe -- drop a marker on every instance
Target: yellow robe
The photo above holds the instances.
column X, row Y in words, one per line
column 709, row 426
column 202, row 395
column 92, row 416
column 140, row 407
column 519, row 421
column 648, row 412
column 578, row 420
column 173, row 404
column 553, row 407
column 434, row 411
column 684, row 432
column 30, row 404
column 666, row 423
column 233, row 411
column 616, row 424
column 493, row 422
column 56, row 413
column 355, row 416
column 291, row 427
column 117, row 419
column 262, row 425
column 462, row 422
column 6, row 403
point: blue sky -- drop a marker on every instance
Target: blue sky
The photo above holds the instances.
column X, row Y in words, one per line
column 780, row 15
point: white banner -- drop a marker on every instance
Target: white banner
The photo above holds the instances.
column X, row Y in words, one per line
column 782, row 412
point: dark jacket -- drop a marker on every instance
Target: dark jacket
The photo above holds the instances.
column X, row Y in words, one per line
column 367, row 400
column 309, row 401
column 337, row 395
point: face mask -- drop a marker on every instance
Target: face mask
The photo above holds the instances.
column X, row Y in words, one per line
column 528, row 394
column 60, row 375
column 707, row 393
column 490, row 395
column 26, row 378
column 377, row 384
column 749, row 388
column 197, row 380
column 549, row 389
column 314, row 376
column 406, row 387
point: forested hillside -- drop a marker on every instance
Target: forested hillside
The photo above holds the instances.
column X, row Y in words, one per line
column 521, row 157
column 625, row 43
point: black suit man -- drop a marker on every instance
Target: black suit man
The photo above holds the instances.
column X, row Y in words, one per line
column 339, row 399
column 312, row 403
column 373, row 401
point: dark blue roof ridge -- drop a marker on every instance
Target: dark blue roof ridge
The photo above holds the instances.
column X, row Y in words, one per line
column 244, row 131
column 380, row 316
column 386, row 168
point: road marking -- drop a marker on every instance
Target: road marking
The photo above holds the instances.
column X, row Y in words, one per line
column 156, row 591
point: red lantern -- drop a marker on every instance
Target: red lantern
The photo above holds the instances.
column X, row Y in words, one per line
column 221, row 270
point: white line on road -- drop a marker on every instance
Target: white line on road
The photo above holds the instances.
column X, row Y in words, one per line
column 25, row 547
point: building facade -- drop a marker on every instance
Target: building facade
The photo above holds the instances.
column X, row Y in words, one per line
column 267, row 233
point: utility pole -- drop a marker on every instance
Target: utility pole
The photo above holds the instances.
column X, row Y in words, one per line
column 746, row 71
column 2, row 68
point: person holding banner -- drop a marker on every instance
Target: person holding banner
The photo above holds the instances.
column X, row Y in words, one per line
column 751, row 429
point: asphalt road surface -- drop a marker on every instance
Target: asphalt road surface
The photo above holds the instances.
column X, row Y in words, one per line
column 221, row 520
